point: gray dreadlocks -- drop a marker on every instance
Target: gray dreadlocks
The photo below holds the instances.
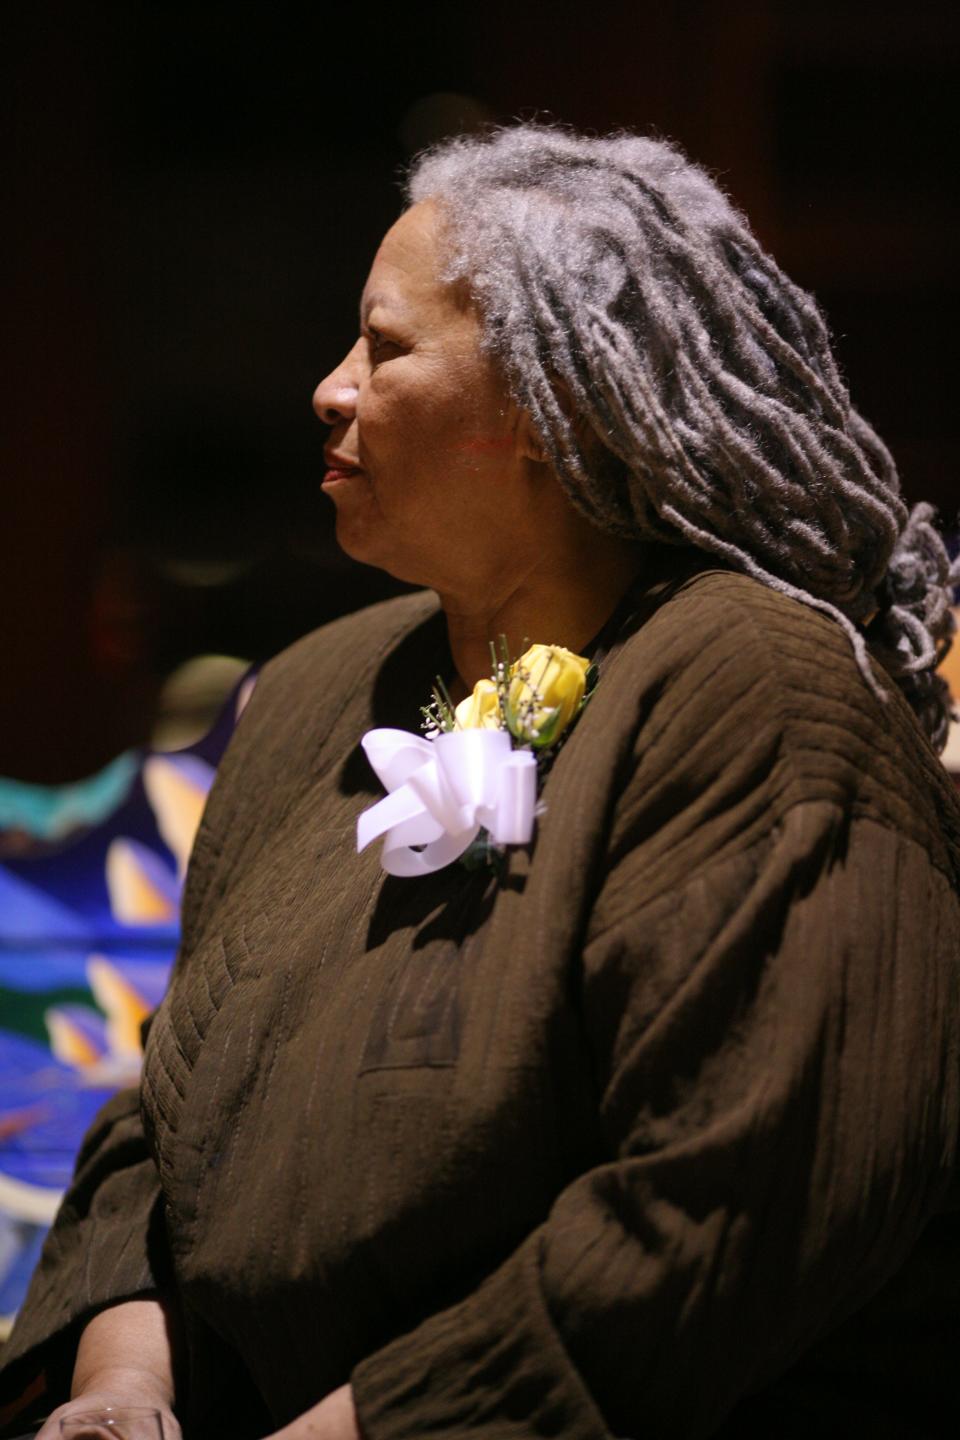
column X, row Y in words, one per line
column 629, row 303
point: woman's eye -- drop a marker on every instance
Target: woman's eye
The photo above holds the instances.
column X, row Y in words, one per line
column 380, row 347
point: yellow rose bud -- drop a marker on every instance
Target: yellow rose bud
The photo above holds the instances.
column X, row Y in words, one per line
column 545, row 693
column 480, row 710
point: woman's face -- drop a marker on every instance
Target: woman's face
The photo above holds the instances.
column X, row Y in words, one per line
column 428, row 465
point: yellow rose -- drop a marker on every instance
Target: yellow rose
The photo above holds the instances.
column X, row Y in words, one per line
column 545, row 693
column 480, row 710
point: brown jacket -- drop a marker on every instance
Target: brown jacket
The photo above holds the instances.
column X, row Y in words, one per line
column 656, row 1136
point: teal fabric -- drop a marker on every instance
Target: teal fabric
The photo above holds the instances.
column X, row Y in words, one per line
column 49, row 812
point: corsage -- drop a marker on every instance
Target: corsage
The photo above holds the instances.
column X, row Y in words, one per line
column 468, row 787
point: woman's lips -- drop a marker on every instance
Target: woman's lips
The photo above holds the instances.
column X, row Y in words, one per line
column 337, row 473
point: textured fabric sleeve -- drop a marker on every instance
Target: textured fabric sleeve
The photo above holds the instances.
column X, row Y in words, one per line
column 775, row 1042
column 108, row 1241
column 106, row 1245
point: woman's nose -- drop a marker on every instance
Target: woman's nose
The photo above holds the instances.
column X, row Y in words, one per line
column 335, row 398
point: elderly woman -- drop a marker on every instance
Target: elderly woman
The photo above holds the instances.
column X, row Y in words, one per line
column 648, row 1126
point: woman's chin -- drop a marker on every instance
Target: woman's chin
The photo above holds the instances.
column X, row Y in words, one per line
column 369, row 548
column 366, row 543
column 353, row 541
column 360, row 528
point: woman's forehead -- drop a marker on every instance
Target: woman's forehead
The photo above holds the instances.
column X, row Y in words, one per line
column 407, row 270
column 408, row 252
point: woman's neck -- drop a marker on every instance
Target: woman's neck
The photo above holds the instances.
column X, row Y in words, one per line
column 565, row 601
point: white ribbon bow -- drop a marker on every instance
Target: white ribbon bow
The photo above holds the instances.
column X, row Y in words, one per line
column 442, row 791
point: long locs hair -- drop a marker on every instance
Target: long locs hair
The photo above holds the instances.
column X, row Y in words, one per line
column 618, row 285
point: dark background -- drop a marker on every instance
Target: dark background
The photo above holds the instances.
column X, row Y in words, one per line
column 193, row 193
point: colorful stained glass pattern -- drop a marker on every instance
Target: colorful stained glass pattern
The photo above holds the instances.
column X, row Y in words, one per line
column 90, row 882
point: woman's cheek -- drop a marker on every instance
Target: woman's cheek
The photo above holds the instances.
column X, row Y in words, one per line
column 391, row 397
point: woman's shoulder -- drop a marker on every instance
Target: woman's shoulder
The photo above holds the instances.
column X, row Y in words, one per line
column 317, row 674
column 747, row 649
column 715, row 617
column 736, row 684
column 309, row 691
column 308, row 698
column 358, row 639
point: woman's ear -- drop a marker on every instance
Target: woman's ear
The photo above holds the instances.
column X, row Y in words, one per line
column 529, row 443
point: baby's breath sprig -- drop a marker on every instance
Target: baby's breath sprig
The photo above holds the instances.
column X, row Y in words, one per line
column 501, row 673
column 439, row 715
column 521, row 715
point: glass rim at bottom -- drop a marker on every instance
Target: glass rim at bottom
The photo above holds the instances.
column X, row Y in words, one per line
column 106, row 1416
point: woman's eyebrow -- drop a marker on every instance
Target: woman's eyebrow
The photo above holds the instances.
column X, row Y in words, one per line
column 371, row 301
